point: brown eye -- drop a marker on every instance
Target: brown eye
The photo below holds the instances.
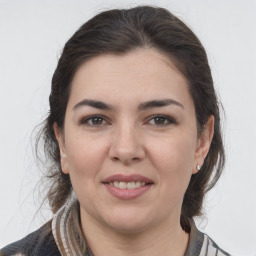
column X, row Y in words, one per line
column 93, row 121
column 161, row 120
column 96, row 121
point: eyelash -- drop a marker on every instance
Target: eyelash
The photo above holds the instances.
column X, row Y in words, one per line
column 85, row 120
column 170, row 121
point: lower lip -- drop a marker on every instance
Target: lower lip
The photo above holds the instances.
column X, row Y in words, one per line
column 126, row 194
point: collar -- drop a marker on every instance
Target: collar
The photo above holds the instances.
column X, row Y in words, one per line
column 70, row 240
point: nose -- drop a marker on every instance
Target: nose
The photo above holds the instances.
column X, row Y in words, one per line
column 126, row 145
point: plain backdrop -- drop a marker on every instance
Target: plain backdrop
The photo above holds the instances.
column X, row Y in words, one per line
column 32, row 34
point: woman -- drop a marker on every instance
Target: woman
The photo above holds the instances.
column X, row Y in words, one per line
column 134, row 138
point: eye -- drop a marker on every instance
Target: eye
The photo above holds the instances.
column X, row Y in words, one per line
column 93, row 121
column 161, row 120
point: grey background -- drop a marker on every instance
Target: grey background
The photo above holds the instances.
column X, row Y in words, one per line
column 32, row 34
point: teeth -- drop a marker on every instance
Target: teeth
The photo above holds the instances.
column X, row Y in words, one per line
column 139, row 184
column 122, row 185
column 127, row 185
column 131, row 185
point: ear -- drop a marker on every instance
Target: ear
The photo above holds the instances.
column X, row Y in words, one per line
column 204, row 143
column 63, row 156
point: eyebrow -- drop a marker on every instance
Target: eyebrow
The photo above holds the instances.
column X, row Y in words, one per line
column 94, row 104
column 143, row 106
column 158, row 103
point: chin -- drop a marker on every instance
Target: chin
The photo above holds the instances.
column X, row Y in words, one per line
column 127, row 227
column 127, row 222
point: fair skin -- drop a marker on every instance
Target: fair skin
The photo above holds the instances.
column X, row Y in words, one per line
column 127, row 138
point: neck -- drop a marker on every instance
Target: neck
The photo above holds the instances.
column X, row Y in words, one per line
column 161, row 239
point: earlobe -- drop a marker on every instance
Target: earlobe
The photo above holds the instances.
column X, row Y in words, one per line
column 204, row 143
column 63, row 155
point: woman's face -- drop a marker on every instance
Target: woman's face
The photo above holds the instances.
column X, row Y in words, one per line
column 130, row 141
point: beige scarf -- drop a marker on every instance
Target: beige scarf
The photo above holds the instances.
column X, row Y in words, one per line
column 71, row 241
column 67, row 232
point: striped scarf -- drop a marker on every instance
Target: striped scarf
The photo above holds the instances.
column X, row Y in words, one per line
column 70, row 240
column 67, row 232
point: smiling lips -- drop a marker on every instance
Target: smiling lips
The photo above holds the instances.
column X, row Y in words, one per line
column 127, row 187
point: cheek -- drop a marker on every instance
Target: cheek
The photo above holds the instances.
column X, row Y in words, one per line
column 85, row 158
column 174, row 170
column 174, row 152
column 174, row 159
column 85, row 155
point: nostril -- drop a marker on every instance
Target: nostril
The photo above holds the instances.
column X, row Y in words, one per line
column 125, row 161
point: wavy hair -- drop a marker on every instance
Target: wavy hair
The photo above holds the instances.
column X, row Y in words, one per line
column 119, row 31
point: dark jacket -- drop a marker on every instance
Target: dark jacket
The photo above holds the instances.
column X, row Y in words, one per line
column 39, row 243
column 42, row 243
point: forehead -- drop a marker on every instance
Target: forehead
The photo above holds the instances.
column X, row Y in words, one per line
column 139, row 74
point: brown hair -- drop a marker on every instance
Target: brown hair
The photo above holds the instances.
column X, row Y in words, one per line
column 118, row 32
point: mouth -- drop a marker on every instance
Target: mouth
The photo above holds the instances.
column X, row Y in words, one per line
column 127, row 186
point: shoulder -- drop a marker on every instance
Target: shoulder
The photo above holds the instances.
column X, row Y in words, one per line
column 40, row 242
column 211, row 248
column 201, row 244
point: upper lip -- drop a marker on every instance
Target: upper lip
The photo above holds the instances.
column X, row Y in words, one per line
column 127, row 178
